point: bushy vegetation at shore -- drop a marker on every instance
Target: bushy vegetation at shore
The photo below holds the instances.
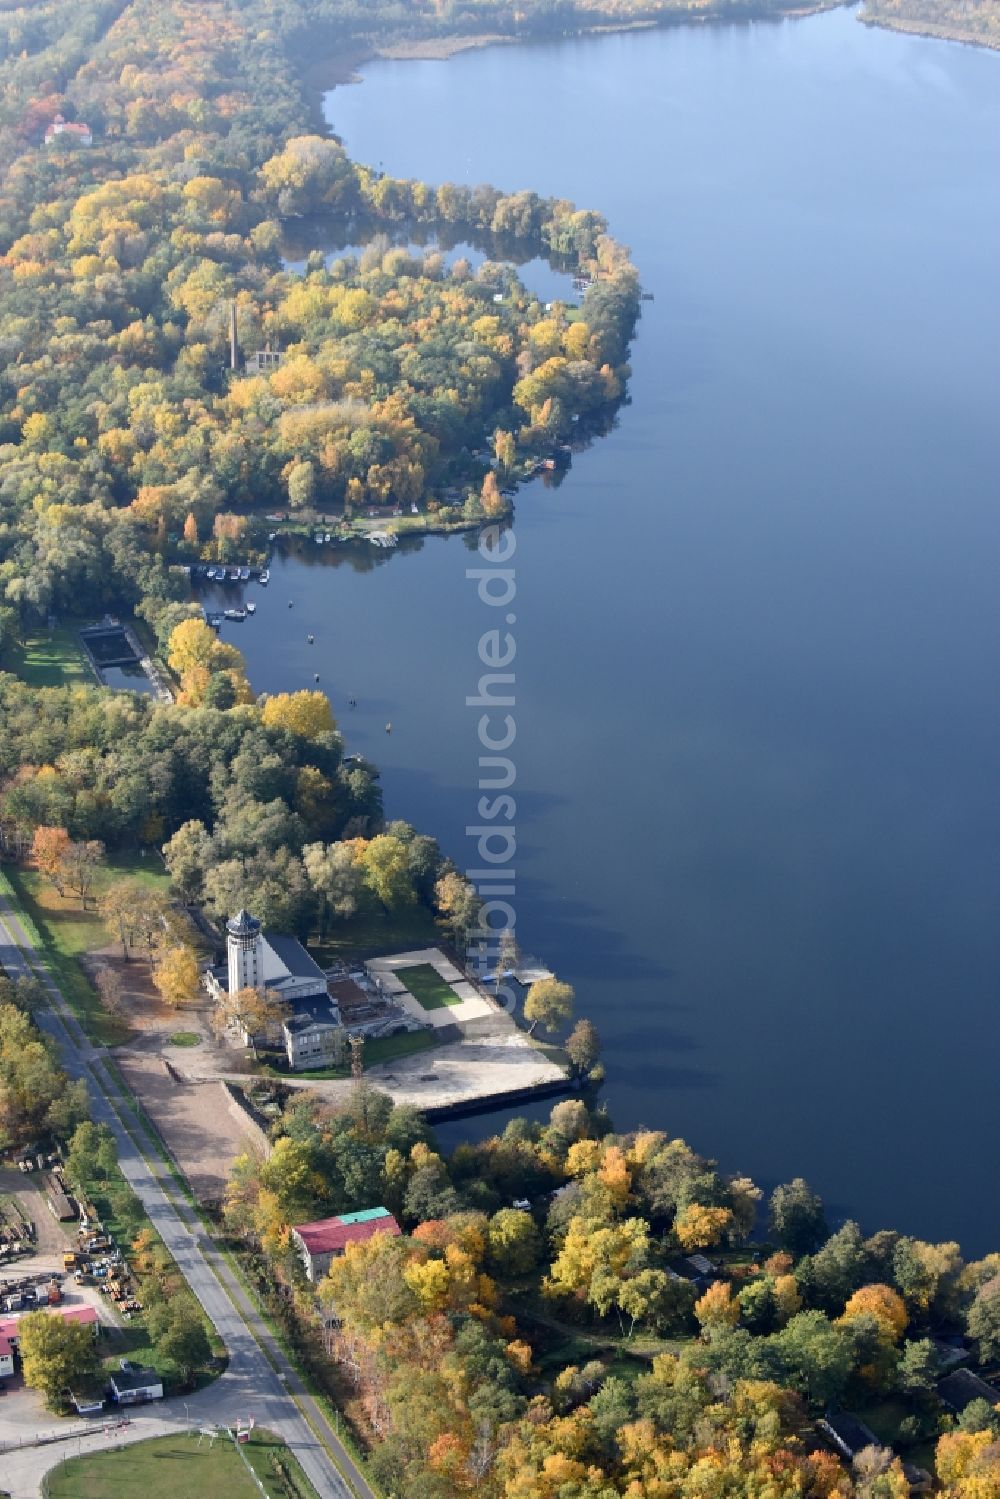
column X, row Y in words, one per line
column 634, row 1326
column 975, row 21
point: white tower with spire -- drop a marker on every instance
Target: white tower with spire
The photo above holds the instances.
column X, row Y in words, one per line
column 246, row 952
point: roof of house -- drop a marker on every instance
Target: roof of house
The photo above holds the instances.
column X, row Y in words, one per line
column 961, row 1387
column 61, row 126
column 849, row 1432
column 85, row 1315
column 293, row 957
column 296, row 1024
column 331, row 1234
column 140, row 1379
column 701, row 1264
column 6, row 1348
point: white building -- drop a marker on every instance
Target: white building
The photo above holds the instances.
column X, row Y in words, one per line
column 256, row 959
column 311, row 1041
column 77, row 131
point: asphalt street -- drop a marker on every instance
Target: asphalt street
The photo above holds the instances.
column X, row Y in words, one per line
column 255, row 1384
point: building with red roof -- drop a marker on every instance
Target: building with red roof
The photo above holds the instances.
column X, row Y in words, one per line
column 75, row 130
column 322, row 1242
column 83, row 1316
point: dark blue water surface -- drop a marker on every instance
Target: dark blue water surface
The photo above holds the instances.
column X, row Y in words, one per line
column 757, row 672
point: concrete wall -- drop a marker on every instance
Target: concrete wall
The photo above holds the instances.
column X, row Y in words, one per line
column 239, row 1111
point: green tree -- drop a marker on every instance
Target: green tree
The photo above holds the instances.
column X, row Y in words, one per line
column 177, row 1329
column 797, row 1219
column 583, row 1047
column 548, row 1003
column 983, row 1320
column 336, row 877
column 301, row 482
column 56, row 1355
column 919, row 1367
column 980, row 1415
column 513, row 1242
column 188, row 854
column 386, row 871
column 814, row 1356
column 457, row 906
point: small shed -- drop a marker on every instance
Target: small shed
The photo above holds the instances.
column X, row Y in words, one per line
column 700, row 1265
column 59, row 1204
column 88, row 1399
column 136, row 1386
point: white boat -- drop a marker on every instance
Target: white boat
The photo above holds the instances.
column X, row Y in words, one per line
column 244, row 575
column 251, row 608
column 234, row 613
column 265, row 577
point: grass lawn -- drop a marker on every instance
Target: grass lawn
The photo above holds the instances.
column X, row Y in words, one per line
column 370, row 934
column 170, row 1466
column 67, row 931
column 382, row 1049
column 389, row 1048
column 185, row 1038
column 428, row 987
column 50, row 660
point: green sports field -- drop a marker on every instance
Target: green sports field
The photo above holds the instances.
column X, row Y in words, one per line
column 171, row 1467
column 427, row 986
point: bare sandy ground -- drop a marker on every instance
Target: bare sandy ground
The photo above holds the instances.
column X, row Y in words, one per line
column 201, row 1132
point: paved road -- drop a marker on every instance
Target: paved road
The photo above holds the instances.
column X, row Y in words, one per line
column 251, row 1385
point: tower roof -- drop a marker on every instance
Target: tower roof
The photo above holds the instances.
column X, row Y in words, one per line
column 243, row 925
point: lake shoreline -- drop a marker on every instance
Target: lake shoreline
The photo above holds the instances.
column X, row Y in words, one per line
column 337, row 70
column 929, row 32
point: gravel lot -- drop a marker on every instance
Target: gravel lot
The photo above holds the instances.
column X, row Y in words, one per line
column 200, row 1131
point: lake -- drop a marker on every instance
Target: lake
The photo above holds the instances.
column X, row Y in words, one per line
column 758, row 725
